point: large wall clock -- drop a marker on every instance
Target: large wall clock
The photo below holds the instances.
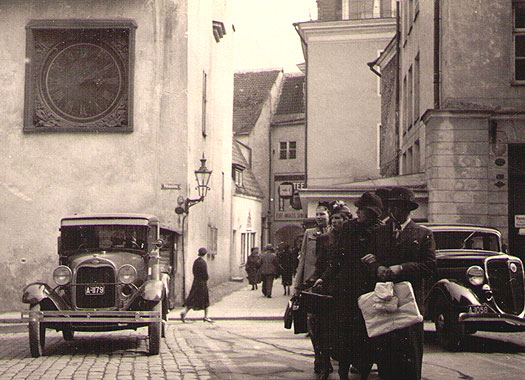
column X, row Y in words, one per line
column 80, row 76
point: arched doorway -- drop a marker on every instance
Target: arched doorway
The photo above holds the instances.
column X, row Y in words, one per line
column 288, row 234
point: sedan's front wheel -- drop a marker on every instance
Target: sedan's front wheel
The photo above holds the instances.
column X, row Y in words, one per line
column 449, row 330
column 37, row 335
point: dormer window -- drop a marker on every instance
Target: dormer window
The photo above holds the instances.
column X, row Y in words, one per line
column 237, row 174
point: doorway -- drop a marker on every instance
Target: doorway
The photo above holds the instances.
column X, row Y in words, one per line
column 517, row 200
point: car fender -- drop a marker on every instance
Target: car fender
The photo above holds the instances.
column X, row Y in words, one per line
column 152, row 290
column 36, row 292
column 455, row 294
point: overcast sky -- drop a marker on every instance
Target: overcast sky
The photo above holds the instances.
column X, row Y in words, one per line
column 265, row 36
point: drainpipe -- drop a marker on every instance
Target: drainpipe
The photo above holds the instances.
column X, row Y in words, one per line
column 183, row 260
column 437, row 75
column 398, row 89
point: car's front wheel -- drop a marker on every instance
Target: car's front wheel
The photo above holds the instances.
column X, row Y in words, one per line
column 449, row 330
column 154, row 332
column 37, row 335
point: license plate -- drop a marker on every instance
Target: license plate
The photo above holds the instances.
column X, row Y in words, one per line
column 94, row 290
column 478, row 309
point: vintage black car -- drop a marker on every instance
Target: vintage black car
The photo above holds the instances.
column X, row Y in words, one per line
column 109, row 277
column 479, row 286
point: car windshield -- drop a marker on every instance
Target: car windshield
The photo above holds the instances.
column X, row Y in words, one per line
column 478, row 240
column 103, row 237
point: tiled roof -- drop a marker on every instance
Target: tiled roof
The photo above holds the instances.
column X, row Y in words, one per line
column 250, row 185
column 251, row 90
column 291, row 100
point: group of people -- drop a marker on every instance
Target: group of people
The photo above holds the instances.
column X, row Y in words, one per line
column 267, row 266
column 345, row 257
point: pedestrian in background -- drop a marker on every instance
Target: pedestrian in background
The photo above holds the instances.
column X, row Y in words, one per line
column 305, row 278
column 253, row 263
column 268, row 270
column 198, row 298
column 405, row 251
column 286, row 266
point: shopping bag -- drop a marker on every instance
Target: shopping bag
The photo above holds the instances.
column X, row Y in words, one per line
column 316, row 303
column 380, row 318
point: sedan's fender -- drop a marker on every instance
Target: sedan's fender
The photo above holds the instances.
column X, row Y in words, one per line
column 36, row 292
column 152, row 290
column 456, row 295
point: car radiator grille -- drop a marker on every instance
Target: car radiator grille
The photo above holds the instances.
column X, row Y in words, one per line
column 506, row 285
column 95, row 276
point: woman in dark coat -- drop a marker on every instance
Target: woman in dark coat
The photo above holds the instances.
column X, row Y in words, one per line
column 199, row 298
column 349, row 277
column 286, row 266
column 253, row 263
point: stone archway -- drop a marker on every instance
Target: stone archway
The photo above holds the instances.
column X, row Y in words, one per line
column 288, row 234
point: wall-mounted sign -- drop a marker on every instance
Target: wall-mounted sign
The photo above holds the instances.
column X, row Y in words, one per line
column 286, row 190
column 170, row 186
column 519, row 221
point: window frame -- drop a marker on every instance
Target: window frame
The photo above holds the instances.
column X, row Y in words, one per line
column 515, row 33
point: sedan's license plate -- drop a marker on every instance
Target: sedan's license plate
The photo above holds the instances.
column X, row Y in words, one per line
column 94, row 290
column 478, row 309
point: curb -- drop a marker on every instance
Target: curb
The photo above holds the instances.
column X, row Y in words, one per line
column 233, row 318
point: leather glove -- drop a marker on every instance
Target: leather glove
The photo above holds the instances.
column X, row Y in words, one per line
column 384, row 273
column 368, row 259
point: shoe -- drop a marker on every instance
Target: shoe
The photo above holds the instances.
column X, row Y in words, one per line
column 269, row 296
column 183, row 317
column 206, row 319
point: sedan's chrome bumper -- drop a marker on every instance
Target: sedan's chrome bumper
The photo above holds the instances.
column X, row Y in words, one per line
column 102, row 316
column 491, row 317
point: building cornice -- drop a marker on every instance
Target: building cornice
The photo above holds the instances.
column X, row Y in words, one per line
column 347, row 30
column 473, row 114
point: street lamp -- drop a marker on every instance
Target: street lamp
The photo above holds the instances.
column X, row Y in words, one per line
column 202, row 175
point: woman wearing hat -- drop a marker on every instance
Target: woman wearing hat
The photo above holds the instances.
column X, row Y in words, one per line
column 349, row 277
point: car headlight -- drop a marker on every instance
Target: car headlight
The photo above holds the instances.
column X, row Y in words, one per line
column 62, row 275
column 475, row 275
column 127, row 274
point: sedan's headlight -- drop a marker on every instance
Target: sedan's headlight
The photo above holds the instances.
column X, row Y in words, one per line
column 62, row 275
column 475, row 275
column 127, row 274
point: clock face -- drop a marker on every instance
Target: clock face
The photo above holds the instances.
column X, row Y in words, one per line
column 82, row 81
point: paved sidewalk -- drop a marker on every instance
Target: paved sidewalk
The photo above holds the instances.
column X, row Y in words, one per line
column 229, row 300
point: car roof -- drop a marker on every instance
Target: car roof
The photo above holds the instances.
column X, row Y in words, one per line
column 460, row 227
column 101, row 218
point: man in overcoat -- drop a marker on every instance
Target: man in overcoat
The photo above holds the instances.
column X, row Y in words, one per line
column 404, row 251
column 268, row 270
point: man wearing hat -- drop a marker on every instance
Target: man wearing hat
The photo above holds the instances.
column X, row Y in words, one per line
column 384, row 194
column 269, row 268
column 405, row 251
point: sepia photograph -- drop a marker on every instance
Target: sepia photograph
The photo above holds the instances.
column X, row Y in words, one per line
column 262, row 189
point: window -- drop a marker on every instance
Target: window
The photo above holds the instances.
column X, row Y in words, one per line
column 405, row 106
column 519, row 41
column 410, row 97
column 416, row 87
column 409, row 158
column 238, row 176
column 247, row 243
column 213, row 233
column 416, row 158
column 287, row 150
column 204, row 101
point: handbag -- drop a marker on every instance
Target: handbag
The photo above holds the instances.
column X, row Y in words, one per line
column 298, row 316
column 316, row 303
column 380, row 312
column 288, row 315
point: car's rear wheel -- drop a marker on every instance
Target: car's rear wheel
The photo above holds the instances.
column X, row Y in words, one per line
column 154, row 332
column 37, row 335
column 68, row 334
column 449, row 330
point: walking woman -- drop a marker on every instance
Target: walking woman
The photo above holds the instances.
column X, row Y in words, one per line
column 286, row 266
column 253, row 263
column 199, row 298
